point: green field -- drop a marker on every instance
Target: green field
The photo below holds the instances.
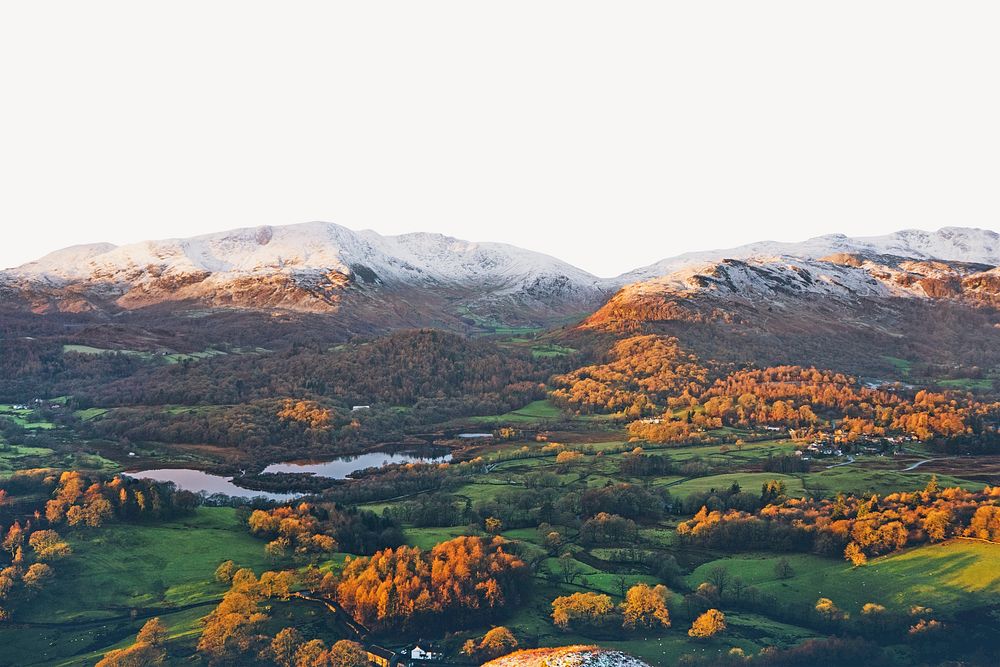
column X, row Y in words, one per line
column 953, row 575
column 169, row 357
column 24, row 417
column 532, row 412
column 119, row 569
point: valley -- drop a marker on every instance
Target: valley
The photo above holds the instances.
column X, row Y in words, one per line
column 774, row 455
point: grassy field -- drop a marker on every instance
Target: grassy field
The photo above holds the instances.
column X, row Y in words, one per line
column 123, row 569
column 748, row 481
column 953, row 575
column 531, row 413
column 169, row 357
column 24, row 417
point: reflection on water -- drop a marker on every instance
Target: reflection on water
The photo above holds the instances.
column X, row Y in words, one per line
column 198, row 481
column 342, row 466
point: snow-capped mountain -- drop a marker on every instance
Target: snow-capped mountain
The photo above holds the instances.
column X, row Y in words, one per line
column 374, row 282
column 303, row 248
column 962, row 244
column 310, row 267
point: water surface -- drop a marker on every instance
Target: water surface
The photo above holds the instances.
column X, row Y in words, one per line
column 342, row 466
column 198, row 481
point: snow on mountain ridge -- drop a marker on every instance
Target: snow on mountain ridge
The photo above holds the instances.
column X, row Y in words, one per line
column 314, row 247
column 964, row 244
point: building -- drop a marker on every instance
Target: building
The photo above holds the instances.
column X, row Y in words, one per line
column 358, row 408
column 382, row 656
column 426, row 651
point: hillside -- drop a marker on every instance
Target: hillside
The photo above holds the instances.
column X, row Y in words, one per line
column 567, row 656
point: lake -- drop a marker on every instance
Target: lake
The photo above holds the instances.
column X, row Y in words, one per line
column 342, row 466
column 198, row 481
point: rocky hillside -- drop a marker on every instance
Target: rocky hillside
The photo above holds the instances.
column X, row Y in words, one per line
column 567, row 656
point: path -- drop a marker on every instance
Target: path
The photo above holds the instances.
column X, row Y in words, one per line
column 849, row 461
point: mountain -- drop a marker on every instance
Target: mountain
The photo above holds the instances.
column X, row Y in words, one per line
column 324, row 279
column 849, row 310
column 315, row 267
column 961, row 244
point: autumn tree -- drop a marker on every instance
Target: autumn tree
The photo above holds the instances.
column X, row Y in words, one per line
column 224, row 573
column 346, row 653
column 592, row 609
column 231, row 629
column 147, row 649
column 709, row 624
column 646, row 607
column 47, row 545
column 498, row 641
column 37, row 575
column 826, row 608
column 285, row 645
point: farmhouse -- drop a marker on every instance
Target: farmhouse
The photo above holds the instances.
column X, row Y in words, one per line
column 425, row 651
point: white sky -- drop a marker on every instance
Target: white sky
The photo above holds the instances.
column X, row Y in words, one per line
column 608, row 134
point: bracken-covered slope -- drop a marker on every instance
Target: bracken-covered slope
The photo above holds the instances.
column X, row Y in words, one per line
column 846, row 310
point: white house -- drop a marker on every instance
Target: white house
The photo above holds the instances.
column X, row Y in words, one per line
column 425, row 651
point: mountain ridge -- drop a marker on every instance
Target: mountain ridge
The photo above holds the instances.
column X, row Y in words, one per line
column 426, row 279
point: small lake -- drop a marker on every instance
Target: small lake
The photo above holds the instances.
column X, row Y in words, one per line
column 198, row 481
column 342, row 466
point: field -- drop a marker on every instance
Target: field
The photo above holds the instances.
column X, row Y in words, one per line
column 123, row 573
column 950, row 576
column 24, row 417
column 531, row 413
column 120, row 570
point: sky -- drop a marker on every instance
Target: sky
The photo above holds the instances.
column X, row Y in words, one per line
column 608, row 134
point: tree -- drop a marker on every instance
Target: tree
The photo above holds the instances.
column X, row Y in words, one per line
column 224, row 573
column 553, row 540
column 493, row 525
column 568, row 568
column 587, row 608
column 720, row 578
column 498, row 641
column 872, row 609
column 932, row 487
column 709, row 624
column 311, row 653
column 854, row 554
column 147, row 649
column 47, row 545
column 14, row 539
column 346, row 653
column 783, row 569
column 646, row 607
column 828, row 610
column 936, row 524
column 153, row 632
column 37, row 575
column 285, row 645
